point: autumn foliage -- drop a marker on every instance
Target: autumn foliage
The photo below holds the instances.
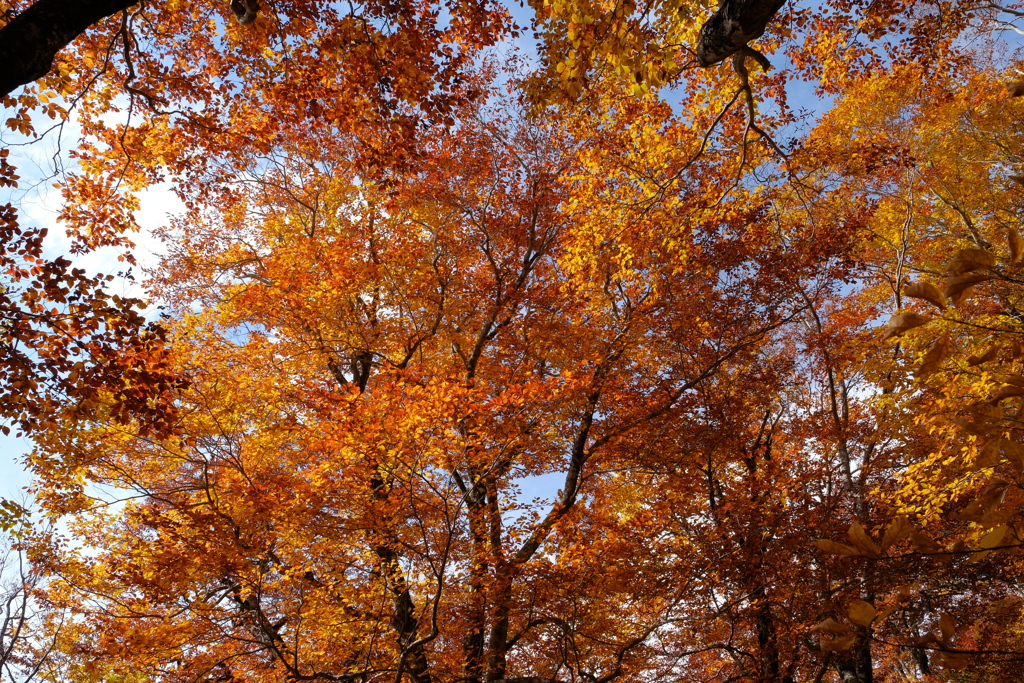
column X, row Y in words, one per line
column 608, row 365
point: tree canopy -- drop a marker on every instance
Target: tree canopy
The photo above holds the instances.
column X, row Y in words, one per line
column 611, row 364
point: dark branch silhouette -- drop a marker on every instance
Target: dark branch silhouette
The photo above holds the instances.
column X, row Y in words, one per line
column 32, row 39
column 736, row 23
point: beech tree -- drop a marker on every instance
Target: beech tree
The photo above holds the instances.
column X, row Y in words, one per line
column 417, row 353
column 409, row 286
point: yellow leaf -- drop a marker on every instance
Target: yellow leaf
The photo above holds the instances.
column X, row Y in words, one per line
column 861, row 613
column 926, row 291
column 901, row 322
column 861, row 539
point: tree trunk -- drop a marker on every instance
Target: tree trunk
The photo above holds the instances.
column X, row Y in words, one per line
column 473, row 640
column 736, row 23
column 32, row 39
column 404, row 620
column 856, row 666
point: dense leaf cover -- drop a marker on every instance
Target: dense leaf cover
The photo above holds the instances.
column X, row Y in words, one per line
column 612, row 366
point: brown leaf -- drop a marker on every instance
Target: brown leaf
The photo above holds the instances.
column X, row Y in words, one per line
column 993, row 539
column 898, row 529
column 842, row 643
column 884, row 614
column 836, row 548
column 967, row 260
column 862, row 540
column 1014, row 453
column 954, row 661
column 926, row 291
column 990, row 497
column 920, row 641
column 985, row 357
column 959, row 286
column 861, row 613
column 1015, row 89
column 1006, row 391
column 831, row 626
column 923, row 544
column 901, row 322
column 947, row 626
column 1016, row 244
column 933, row 360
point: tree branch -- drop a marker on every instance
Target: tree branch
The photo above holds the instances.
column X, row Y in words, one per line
column 32, row 39
column 736, row 23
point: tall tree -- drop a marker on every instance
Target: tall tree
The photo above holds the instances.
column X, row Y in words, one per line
column 376, row 375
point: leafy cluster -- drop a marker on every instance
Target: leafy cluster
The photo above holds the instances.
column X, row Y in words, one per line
column 477, row 371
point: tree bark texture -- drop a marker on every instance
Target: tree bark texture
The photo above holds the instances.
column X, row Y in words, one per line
column 856, row 665
column 30, row 41
column 736, row 23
